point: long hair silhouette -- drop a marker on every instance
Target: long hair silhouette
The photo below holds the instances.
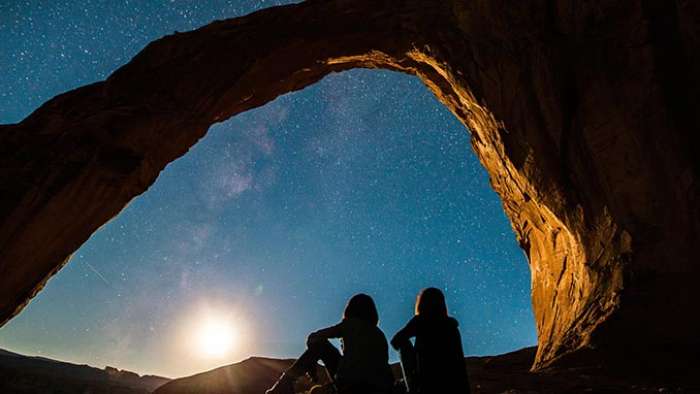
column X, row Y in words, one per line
column 430, row 303
column 361, row 306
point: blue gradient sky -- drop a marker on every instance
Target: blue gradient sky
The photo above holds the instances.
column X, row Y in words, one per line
column 360, row 183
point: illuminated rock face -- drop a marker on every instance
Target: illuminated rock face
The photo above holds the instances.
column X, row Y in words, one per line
column 585, row 115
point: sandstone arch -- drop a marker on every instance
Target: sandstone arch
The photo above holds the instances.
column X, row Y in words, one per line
column 584, row 115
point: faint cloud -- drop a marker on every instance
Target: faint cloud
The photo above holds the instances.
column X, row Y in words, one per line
column 236, row 169
column 195, row 238
column 200, row 234
column 235, row 181
column 260, row 137
column 352, row 114
column 185, row 282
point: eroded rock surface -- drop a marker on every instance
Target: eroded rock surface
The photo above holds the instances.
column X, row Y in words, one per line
column 585, row 115
column 506, row 373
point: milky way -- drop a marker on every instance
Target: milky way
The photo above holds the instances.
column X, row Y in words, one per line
column 360, row 183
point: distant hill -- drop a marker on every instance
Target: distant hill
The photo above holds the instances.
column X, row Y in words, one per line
column 21, row 374
column 505, row 373
column 254, row 375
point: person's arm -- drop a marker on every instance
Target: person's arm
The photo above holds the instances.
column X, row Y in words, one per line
column 335, row 331
column 404, row 334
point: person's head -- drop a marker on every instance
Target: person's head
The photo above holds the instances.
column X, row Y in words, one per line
column 431, row 303
column 361, row 306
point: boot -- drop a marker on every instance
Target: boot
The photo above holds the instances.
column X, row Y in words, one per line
column 284, row 385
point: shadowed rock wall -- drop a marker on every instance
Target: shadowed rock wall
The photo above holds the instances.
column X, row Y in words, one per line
column 585, row 115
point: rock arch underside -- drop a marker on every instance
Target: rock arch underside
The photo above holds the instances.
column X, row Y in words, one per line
column 585, row 115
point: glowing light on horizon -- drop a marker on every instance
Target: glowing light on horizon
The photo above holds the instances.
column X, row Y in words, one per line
column 216, row 337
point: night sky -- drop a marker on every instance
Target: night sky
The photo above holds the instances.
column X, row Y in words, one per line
column 362, row 182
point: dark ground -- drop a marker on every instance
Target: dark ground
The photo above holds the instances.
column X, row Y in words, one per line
column 507, row 373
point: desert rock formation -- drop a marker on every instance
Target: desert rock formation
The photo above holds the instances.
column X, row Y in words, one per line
column 585, row 115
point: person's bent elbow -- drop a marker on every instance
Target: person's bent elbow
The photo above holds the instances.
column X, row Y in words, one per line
column 399, row 342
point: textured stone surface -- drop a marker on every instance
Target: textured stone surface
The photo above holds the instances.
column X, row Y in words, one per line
column 585, row 115
column 506, row 373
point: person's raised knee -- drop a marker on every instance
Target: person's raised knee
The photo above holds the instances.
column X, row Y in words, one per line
column 317, row 343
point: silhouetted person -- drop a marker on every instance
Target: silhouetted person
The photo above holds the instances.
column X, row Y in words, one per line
column 364, row 365
column 435, row 364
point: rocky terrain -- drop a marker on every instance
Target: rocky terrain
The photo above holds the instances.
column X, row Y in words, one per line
column 21, row 374
column 584, row 113
column 254, row 375
column 507, row 373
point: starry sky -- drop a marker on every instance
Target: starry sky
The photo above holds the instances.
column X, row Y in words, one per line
column 362, row 182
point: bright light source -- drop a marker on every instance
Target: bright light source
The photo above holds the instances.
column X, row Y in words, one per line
column 216, row 337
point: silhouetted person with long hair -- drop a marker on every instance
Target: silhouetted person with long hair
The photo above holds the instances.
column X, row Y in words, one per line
column 364, row 365
column 435, row 364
